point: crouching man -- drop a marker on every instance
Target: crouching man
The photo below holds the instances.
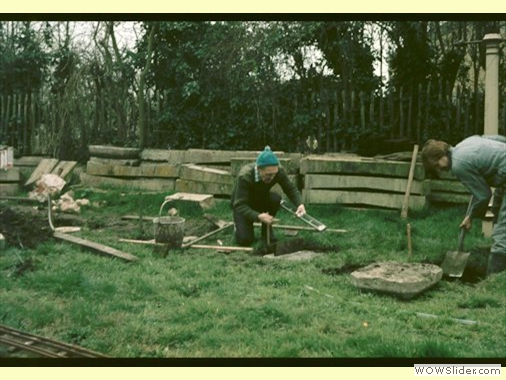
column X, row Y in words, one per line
column 252, row 201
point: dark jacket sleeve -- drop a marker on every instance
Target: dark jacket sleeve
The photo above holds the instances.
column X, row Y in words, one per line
column 289, row 188
column 241, row 195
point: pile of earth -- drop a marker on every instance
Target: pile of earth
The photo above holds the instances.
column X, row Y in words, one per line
column 24, row 227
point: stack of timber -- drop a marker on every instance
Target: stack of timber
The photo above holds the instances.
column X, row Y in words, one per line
column 448, row 189
column 123, row 167
column 351, row 180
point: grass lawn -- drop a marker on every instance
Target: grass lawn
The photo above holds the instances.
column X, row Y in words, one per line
column 203, row 303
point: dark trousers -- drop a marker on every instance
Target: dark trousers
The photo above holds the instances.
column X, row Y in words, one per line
column 244, row 231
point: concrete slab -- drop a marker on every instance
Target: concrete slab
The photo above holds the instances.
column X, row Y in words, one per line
column 405, row 280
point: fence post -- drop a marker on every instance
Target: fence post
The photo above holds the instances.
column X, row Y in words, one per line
column 491, row 119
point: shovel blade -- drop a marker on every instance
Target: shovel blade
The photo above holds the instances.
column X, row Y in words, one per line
column 454, row 263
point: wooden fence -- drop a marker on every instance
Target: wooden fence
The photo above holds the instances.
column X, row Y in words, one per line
column 54, row 126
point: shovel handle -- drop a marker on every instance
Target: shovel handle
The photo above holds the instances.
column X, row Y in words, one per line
column 461, row 239
column 463, row 229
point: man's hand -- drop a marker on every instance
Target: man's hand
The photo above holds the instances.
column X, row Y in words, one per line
column 466, row 223
column 266, row 218
column 301, row 210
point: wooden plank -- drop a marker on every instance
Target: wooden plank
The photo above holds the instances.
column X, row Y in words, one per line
column 386, row 200
column 45, row 167
column 449, row 197
column 10, row 175
column 137, row 217
column 158, row 184
column 116, row 161
column 356, row 165
column 113, row 151
column 18, row 199
column 28, row 160
column 291, row 167
column 439, row 185
column 223, row 248
column 198, row 173
column 205, row 201
column 95, row 247
column 203, row 187
column 164, row 155
column 64, row 168
column 207, row 235
column 329, row 181
column 145, row 170
column 200, row 156
column 8, row 189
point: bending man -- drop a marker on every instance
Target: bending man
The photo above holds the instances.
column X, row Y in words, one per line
column 479, row 162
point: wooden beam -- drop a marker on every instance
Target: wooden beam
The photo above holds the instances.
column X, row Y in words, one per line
column 437, row 185
column 10, row 175
column 191, row 172
column 207, row 235
column 203, row 187
column 357, row 165
column 45, row 167
column 137, row 217
column 113, row 151
column 330, row 181
column 205, row 201
column 222, row 248
column 145, row 170
column 7, row 189
column 386, row 200
column 64, row 168
column 96, row 247
column 155, row 184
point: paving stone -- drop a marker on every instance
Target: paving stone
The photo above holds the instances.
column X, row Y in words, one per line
column 401, row 279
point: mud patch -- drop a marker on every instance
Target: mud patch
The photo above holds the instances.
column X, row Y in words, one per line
column 24, row 227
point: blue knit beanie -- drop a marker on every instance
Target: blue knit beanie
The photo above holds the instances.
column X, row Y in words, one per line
column 267, row 158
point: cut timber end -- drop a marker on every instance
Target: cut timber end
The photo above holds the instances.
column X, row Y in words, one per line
column 206, row 201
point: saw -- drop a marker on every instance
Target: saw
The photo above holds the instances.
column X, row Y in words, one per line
column 316, row 224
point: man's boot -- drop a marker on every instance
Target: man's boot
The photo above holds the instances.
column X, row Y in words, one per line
column 496, row 263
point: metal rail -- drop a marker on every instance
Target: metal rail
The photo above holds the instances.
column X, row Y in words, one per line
column 43, row 347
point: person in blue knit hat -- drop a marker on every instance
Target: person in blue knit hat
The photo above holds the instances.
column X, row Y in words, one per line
column 252, row 201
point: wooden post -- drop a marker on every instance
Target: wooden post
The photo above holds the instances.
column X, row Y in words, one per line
column 405, row 204
column 410, row 250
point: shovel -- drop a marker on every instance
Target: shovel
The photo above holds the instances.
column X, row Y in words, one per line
column 455, row 261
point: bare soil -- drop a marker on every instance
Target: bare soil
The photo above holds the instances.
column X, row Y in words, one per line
column 26, row 226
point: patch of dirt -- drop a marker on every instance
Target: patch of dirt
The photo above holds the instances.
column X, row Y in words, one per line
column 24, row 227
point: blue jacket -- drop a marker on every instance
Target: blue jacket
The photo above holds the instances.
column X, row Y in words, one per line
column 479, row 162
